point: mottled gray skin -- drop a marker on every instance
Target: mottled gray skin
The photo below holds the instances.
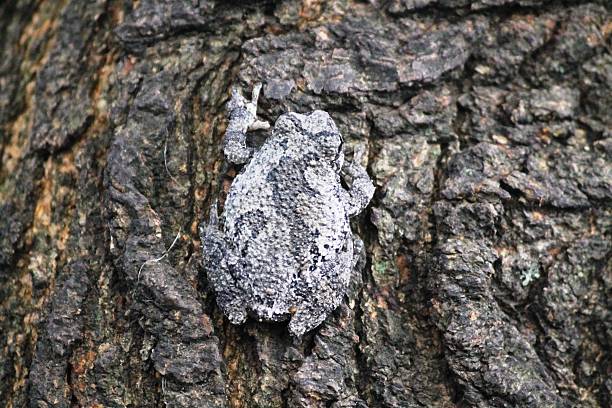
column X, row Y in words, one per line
column 286, row 248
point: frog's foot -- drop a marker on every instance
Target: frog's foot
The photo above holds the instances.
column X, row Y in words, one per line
column 213, row 240
column 362, row 189
column 252, row 107
column 242, row 118
column 305, row 320
column 359, row 253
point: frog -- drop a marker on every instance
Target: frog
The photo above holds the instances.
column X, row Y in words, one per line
column 283, row 248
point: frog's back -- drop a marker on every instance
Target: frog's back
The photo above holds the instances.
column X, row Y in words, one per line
column 283, row 198
column 284, row 216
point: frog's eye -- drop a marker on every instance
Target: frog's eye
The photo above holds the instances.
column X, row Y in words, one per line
column 287, row 124
column 329, row 139
column 329, row 144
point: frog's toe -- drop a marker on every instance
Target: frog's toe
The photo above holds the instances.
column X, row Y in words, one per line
column 236, row 315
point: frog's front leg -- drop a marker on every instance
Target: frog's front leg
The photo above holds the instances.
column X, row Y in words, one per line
column 219, row 259
column 362, row 189
column 242, row 118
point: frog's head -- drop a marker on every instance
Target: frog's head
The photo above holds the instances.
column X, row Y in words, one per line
column 320, row 132
column 326, row 138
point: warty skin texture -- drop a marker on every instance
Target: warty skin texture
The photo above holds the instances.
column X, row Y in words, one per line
column 286, row 249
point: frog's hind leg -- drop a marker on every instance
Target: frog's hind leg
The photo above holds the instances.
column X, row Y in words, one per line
column 218, row 264
column 333, row 277
column 362, row 189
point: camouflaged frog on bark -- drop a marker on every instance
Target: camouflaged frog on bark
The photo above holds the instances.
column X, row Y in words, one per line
column 285, row 249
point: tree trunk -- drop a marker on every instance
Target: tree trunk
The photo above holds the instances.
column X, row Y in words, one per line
column 489, row 133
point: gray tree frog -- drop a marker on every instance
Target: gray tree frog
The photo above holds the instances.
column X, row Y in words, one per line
column 285, row 249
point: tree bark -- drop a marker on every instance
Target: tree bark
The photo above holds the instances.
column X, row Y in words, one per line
column 487, row 278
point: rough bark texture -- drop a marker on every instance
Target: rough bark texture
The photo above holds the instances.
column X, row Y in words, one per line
column 487, row 279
